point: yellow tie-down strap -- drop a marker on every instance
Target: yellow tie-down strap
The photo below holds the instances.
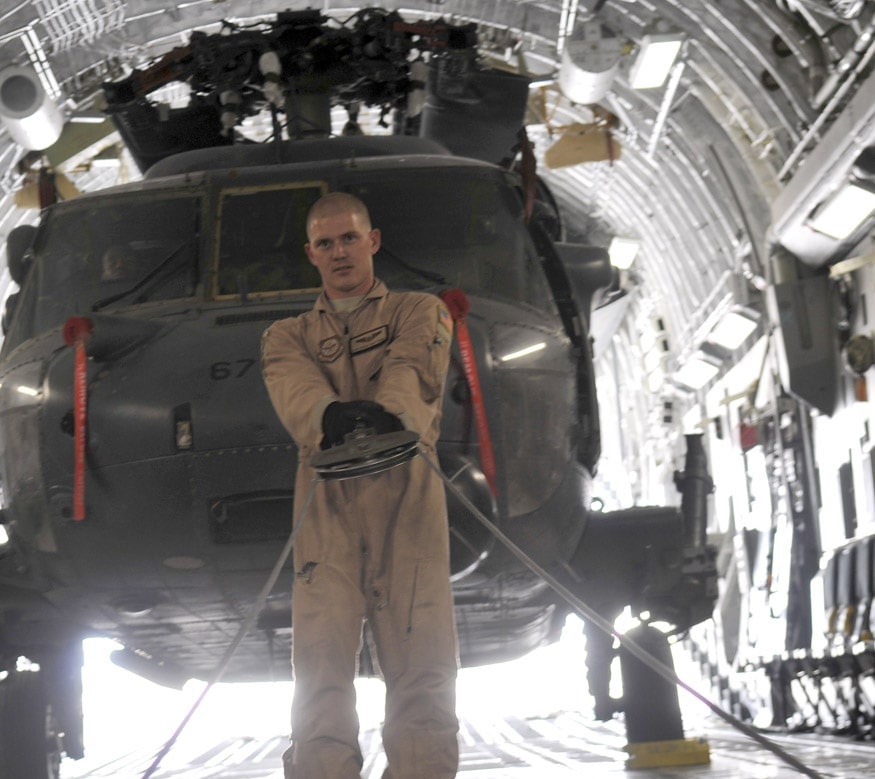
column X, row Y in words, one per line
column 653, row 754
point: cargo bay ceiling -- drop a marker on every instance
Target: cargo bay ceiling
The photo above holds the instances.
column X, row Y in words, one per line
column 766, row 112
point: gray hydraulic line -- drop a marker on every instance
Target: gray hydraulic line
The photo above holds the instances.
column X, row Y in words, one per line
column 245, row 627
column 631, row 646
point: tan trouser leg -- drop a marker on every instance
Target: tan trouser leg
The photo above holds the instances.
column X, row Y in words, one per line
column 398, row 521
column 414, row 632
column 420, row 730
column 327, row 623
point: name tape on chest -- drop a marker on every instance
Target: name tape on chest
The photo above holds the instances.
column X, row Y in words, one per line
column 368, row 340
column 332, row 347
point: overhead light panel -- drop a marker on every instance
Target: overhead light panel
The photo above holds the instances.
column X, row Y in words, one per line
column 107, row 158
column 656, row 54
column 843, row 214
column 696, row 372
column 88, row 117
column 623, row 251
column 655, row 380
column 733, row 329
column 652, row 359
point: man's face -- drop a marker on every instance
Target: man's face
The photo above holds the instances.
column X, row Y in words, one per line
column 342, row 247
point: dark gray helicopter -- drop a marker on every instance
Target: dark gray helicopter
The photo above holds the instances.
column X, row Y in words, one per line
column 163, row 533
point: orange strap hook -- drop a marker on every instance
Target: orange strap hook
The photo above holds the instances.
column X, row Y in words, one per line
column 77, row 331
column 457, row 303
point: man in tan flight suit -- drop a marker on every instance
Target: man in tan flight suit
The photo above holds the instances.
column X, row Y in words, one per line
column 374, row 547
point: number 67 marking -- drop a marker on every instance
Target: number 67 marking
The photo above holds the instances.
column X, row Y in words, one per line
column 219, row 371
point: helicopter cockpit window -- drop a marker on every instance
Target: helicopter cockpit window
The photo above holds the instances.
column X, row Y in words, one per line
column 261, row 241
column 453, row 227
column 440, row 227
column 96, row 253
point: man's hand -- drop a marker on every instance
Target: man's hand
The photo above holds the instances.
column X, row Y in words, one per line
column 340, row 419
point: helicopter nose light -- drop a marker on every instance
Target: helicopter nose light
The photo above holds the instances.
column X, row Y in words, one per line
column 184, row 563
column 29, row 391
column 22, row 387
column 523, row 352
column 136, row 604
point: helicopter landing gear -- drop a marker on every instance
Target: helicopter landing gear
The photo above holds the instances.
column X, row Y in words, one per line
column 30, row 742
column 650, row 702
column 654, row 727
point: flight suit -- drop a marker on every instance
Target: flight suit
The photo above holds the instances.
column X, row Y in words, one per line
column 375, row 547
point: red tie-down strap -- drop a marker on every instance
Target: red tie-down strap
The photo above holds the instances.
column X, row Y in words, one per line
column 77, row 330
column 457, row 303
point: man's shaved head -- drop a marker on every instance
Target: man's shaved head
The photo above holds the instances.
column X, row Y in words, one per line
column 341, row 244
column 335, row 203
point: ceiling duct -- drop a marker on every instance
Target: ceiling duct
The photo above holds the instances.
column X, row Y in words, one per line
column 590, row 62
column 33, row 120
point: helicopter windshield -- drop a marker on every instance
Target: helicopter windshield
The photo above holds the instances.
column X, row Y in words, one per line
column 261, row 240
column 440, row 227
column 97, row 249
column 458, row 228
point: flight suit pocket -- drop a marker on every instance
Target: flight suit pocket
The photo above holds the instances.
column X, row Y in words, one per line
column 327, row 605
column 371, row 365
column 428, row 624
